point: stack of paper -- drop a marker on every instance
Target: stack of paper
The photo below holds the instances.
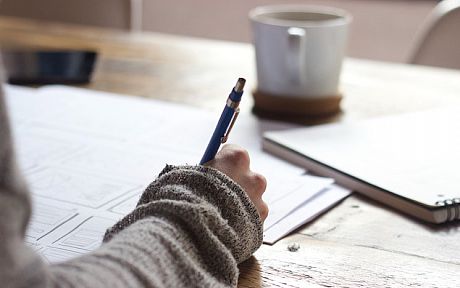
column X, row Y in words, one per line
column 88, row 156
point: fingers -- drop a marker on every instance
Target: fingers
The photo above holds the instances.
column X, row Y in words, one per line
column 255, row 189
column 259, row 182
column 263, row 210
column 253, row 183
column 234, row 161
column 235, row 155
column 231, row 159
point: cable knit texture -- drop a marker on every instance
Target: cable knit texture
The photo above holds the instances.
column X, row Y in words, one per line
column 191, row 228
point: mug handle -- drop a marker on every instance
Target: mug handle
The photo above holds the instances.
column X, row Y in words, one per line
column 296, row 44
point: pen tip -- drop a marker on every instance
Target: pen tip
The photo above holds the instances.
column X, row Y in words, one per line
column 240, row 84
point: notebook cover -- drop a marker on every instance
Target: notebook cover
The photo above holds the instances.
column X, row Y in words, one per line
column 414, row 156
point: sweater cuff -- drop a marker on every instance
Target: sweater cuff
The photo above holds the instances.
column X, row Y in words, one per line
column 221, row 205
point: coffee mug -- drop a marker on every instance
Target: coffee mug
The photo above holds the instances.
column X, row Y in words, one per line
column 299, row 49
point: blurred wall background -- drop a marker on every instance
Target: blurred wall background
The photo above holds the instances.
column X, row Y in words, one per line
column 382, row 29
column 105, row 13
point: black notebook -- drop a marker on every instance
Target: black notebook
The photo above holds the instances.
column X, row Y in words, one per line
column 410, row 161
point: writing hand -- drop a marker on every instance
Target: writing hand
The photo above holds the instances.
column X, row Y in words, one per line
column 233, row 161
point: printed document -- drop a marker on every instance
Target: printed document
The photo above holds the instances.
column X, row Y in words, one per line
column 88, row 156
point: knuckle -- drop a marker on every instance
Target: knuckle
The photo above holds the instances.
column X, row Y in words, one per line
column 263, row 210
column 260, row 182
column 238, row 156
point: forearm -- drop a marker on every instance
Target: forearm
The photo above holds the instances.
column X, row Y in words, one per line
column 19, row 265
column 191, row 228
column 150, row 253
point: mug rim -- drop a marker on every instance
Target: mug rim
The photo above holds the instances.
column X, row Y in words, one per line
column 343, row 17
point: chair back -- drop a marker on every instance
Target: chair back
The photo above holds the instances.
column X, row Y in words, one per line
column 438, row 42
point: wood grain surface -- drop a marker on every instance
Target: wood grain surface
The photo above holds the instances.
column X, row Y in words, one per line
column 359, row 243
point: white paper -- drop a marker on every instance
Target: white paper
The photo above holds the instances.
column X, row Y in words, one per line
column 306, row 212
column 87, row 236
column 89, row 155
column 46, row 217
column 279, row 195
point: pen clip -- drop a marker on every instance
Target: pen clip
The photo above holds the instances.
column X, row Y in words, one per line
column 225, row 137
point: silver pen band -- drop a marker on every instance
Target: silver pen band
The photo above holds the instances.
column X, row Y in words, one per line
column 232, row 104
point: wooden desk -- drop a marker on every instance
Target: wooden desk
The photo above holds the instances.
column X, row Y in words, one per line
column 359, row 243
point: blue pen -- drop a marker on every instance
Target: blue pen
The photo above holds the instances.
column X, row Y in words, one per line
column 226, row 121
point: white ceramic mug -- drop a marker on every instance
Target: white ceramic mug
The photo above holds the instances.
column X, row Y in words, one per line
column 299, row 49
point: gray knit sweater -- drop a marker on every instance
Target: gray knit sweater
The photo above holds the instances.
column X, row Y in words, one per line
column 191, row 228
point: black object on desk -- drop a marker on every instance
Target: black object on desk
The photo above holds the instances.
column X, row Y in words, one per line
column 25, row 67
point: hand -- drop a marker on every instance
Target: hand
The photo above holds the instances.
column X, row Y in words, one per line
column 233, row 161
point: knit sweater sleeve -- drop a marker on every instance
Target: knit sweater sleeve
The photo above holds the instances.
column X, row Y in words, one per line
column 191, row 228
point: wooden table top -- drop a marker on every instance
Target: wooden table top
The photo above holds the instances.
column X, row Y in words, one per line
column 359, row 243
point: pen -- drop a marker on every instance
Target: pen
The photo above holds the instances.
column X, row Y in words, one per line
column 226, row 121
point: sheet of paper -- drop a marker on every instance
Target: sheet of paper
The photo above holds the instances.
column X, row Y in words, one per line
column 279, row 195
column 306, row 212
column 89, row 155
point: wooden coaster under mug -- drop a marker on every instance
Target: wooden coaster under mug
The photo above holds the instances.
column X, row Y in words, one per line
column 295, row 109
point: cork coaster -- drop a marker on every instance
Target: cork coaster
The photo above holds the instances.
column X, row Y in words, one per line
column 295, row 109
